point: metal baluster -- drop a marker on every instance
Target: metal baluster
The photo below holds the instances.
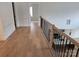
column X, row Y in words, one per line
column 54, row 46
column 68, row 49
column 77, row 52
column 41, row 22
column 60, row 47
column 57, row 45
column 65, row 46
column 49, row 31
column 72, row 50
column 43, row 25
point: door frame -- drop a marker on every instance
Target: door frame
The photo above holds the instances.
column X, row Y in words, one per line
column 14, row 15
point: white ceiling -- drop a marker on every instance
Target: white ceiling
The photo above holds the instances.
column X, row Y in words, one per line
column 59, row 12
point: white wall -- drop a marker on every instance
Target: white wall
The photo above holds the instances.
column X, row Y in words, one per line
column 6, row 16
column 74, row 32
column 58, row 13
column 22, row 13
column 2, row 36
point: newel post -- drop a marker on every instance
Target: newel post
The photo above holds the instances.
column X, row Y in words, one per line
column 51, row 36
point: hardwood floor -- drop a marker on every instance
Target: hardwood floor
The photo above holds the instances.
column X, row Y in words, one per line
column 26, row 41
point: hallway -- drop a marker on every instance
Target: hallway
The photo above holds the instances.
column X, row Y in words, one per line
column 26, row 41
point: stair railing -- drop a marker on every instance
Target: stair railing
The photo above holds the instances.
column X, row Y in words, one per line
column 61, row 44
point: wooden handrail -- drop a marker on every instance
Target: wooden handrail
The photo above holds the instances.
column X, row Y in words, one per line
column 54, row 35
column 62, row 33
column 56, row 29
column 45, row 20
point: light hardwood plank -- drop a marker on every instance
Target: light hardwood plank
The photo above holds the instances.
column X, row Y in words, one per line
column 26, row 41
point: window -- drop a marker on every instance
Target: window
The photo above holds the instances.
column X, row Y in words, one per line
column 31, row 11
